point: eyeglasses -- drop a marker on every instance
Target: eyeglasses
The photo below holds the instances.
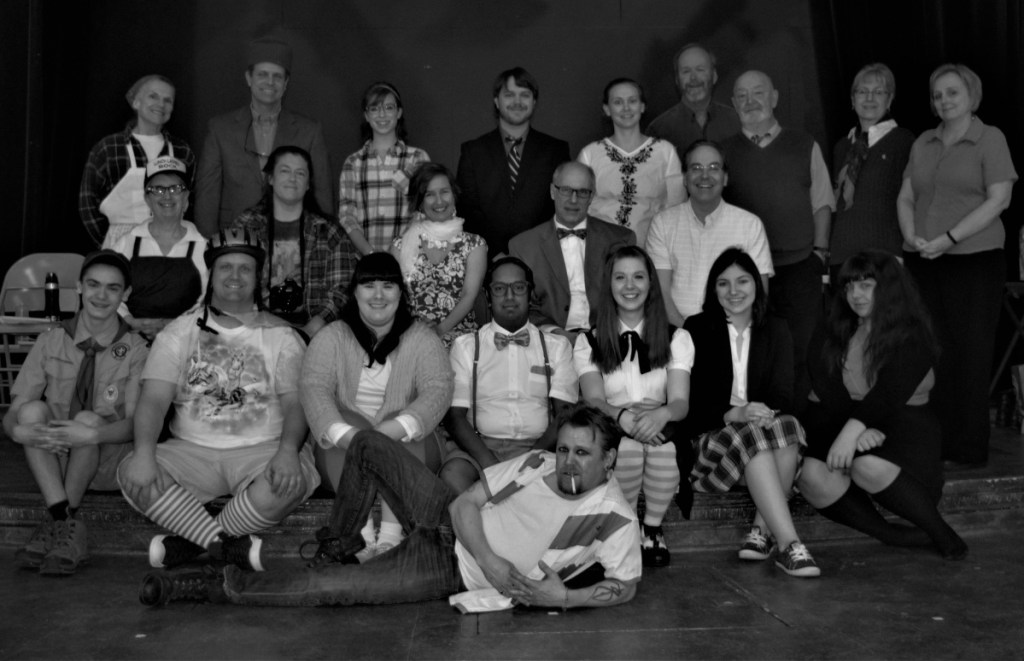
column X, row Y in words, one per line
column 159, row 191
column 862, row 93
column 386, row 108
column 568, row 191
column 698, row 169
column 519, row 288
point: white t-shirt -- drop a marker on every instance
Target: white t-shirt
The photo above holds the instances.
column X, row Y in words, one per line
column 229, row 383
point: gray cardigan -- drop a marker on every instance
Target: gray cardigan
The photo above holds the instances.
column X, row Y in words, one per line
column 420, row 384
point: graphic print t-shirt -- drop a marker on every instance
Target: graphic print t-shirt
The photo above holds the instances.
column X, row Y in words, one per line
column 287, row 263
column 228, row 384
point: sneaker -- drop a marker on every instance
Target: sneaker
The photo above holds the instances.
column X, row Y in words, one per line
column 243, row 552
column 796, row 560
column 32, row 554
column 166, row 551
column 653, row 550
column 159, row 588
column 757, row 545
column 69, row 549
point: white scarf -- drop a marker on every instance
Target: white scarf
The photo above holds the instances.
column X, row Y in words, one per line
column 439, row 232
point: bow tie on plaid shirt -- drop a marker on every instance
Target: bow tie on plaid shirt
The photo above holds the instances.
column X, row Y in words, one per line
column 522, row 338
column 561, row 233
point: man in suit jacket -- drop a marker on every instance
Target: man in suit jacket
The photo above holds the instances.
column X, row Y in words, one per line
column 504, row 175
column 566, row 266
column 230, row 171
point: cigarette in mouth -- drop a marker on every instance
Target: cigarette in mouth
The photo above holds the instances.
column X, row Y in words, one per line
column 573, row 478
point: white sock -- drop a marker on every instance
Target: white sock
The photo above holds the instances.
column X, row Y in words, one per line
column 390, row 533
column 369, row 532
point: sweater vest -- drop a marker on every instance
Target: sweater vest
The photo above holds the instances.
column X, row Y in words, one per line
column 774, row 183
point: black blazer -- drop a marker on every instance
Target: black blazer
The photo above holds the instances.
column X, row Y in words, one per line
column 487, row 201
column 769, row 370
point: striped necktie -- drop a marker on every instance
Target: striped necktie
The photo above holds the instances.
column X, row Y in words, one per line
column 514, row 159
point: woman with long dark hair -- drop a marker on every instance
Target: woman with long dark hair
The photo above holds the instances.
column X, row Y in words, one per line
column 309, row 259
column 871, row 434
column 742, row 383
column 376, row 368
column 636, row 368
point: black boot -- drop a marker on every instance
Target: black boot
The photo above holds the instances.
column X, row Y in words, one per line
column 855, row 510
column 908, row 498
column 159, row 588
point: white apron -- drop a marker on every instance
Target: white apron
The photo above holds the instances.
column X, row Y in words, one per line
column 125, row 205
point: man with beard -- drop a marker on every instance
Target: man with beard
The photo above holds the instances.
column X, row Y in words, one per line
column 696, row 116
column 779, row 175
column 527, row 533
column 504, row 174
column 512, row 380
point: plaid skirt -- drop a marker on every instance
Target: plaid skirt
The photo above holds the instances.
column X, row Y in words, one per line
column 722, row 455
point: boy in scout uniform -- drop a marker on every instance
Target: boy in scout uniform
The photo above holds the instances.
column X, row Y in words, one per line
column 72, row 409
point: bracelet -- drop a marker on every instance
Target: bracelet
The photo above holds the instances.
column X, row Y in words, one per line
column 565, row 601
column 618, row 418
column 950, row 235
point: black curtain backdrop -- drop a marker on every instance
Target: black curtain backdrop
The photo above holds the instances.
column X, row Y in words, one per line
column 68, row 65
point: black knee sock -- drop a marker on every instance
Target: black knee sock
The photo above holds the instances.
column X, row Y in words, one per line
column 60, row 511
column 908, row 498
column 855, row 509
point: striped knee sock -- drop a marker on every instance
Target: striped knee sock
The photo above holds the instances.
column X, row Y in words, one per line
column 239, row 516
column 629, row 468
column 181, row 513
column 660, row 481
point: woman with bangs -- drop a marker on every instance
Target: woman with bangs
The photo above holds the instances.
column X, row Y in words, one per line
column 373, row 206
column 741, row 431
column 376, row 368
column 871, row 434
column 635, row 367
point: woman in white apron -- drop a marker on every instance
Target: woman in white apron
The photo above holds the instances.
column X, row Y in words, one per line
column 111, row 199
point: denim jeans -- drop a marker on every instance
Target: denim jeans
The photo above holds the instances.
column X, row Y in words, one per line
column 422, row 567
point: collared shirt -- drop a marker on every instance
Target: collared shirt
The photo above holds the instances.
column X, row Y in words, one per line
column 680, row 243
column 51, row 371
column 264, row 130
column 511, row 389
column 506, row 140
column 574, row 252
column 875, row 132
column 108, row 163
column 951, row 182
column 626, row 387
column 739, row 346
column 329, row 261
column 373, row 192
column 148, row 247
column 822, row 194
column 679, row 125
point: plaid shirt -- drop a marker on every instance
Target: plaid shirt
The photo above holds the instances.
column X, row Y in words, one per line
column 107, row 164
column 373, row 192
column 328, row 263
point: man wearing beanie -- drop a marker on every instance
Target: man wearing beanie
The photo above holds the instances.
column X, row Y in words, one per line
column 230, row 172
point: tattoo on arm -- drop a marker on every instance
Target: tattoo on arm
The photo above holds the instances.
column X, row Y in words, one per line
column 608, row 591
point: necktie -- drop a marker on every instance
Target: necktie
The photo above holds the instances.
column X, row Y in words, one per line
column 562, row 233
column 631, row 346
column 514, row 158
column 86, row 379
column 501, row 341
column 757, row 139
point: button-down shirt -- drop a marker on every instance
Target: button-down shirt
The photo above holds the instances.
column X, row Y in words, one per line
column 822, row 194
column 574, row 252
column 373, row 192
column 511, row 389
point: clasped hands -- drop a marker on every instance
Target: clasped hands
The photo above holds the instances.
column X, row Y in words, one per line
column 840, row 455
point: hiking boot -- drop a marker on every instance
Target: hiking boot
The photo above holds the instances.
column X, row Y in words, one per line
column 166, row 551
column 41, row 542
column 653, row 551
column 329, row 550
column 757, row 545
column 243, row 552
column 796, row 560
column 159, row 588
column 69, row 549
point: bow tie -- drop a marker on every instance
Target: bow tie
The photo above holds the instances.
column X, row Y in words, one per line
column 580, row 234
column 522, row 338
column 631, row 346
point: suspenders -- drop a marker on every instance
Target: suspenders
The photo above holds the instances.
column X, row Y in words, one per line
column 476, row 360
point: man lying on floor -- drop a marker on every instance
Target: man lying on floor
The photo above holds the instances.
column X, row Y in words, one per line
column 519, row 534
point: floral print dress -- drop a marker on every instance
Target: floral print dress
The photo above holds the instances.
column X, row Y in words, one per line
column 435, row 288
